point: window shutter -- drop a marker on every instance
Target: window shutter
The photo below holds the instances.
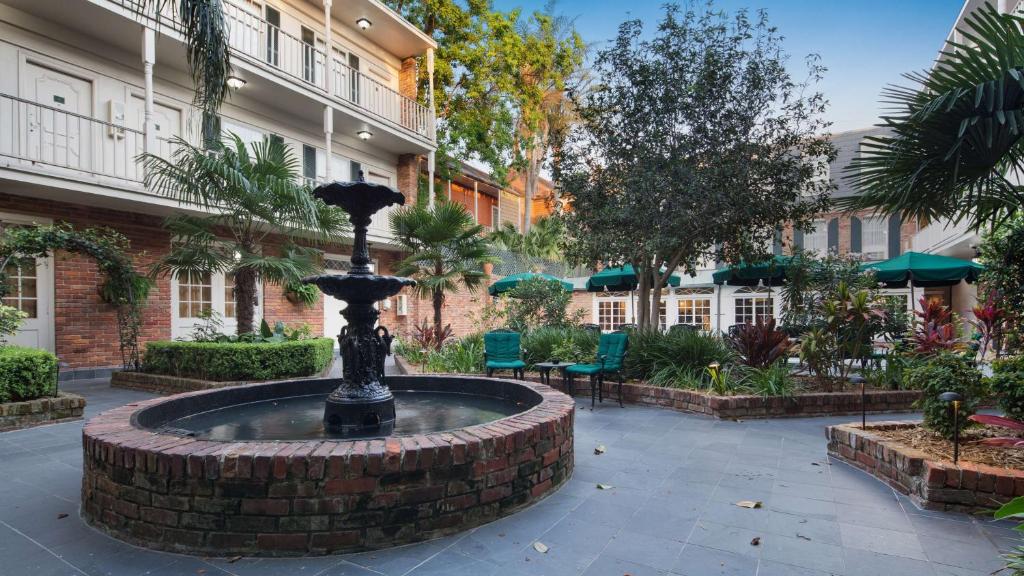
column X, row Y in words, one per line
column 856, row 235
column 895, row 246
column 833, row 235
column 777, row 243
column 798, row 239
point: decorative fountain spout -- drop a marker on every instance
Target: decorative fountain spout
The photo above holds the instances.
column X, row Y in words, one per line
column 362, row 403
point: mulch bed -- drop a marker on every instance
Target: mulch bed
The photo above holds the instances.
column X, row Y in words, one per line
column 935, row 446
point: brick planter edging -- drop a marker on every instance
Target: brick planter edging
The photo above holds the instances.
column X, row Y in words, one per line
column 281, row 498
column 62, row 408
column 931, row 484
column 166, row 385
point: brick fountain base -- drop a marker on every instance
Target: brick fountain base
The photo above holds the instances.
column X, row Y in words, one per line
column 169, row 492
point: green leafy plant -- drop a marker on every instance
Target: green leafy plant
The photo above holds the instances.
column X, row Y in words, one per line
column 10, row 319
column 652, row 350
column 462, row 356
column 538, row 302
column 678, row 376
column 1007, row 383
column 226, row 361
column 772, row 380
column 944, row 372
column 300, row 293
column 1002, row 253
column 547, row 343
column 26, row 373
column 1013, row 510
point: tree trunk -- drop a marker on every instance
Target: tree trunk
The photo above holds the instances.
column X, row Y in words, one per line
column 245, row 299
column 532, row 176
column 643, row 296
column 438, row 303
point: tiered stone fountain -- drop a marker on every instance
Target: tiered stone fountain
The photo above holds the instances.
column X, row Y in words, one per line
column 324, row 465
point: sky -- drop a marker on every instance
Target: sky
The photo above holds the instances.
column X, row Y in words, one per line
column 865, row 44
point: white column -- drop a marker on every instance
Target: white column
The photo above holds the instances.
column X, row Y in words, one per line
column 329, row 55
column 498, row 223
column 449, row 190
column 476, row 202
column 430, row 78
column 148, row 60
column 430, row 179
column 328, row 132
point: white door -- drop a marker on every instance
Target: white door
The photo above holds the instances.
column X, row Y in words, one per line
column 166, row 124
column 57, row 131
column 333, row 320
column 30, row 289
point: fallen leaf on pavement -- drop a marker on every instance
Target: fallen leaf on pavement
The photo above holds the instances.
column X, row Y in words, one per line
column 599, row 450
column 62, row 516
column 756, row 541
column 605, row 486
column 234, row 559
column 749, row 503
column 540, row 547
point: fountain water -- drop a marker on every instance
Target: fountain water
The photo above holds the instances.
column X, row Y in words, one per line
column 362, row 403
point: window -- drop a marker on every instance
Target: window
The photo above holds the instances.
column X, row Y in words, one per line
column 610, row 314
column 695, row 310
column 495, row 214
column 308, row 55
column 353, row 64
column 195, row 295
column 753, row 306
column 273, row 35
column 229, row 295
column 875, row 238
column 22, row 285
column 661, row 314
column 309, row 163
column 817, row 241
column 356, row 169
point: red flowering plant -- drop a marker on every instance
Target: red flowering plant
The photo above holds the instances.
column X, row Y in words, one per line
column 990, row 318
column 935, row 331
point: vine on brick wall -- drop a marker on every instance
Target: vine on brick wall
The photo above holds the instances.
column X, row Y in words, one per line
column 122, row 286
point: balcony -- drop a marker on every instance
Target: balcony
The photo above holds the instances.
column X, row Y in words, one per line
column 46, row 139
column 943, row 237
column 255, row 41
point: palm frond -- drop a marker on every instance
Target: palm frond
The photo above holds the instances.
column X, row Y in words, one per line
column 954, row 135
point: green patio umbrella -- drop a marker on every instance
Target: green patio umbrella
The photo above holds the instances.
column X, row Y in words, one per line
column 771, row 272
column 928, row 270
column 620, row 279
column 509, row 282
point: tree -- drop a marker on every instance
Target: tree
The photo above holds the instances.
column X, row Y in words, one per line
column 552, row 54
column 251, row 194
column 544, row 240
column 474, row 68
column 955, row 135
column 446, row 250
column 694, row 144
column 539, row 302
column 1002, row 253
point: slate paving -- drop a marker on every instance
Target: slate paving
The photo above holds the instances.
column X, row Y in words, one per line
column 670, row 511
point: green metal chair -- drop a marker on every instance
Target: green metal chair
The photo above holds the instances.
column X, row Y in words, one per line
column 611, row 354
column 502, row 351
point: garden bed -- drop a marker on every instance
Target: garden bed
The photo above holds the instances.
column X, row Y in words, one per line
column 925, row 473
column 164, row 384
column 61, row 408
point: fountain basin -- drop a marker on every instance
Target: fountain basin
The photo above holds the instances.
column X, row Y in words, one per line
column 148, row 481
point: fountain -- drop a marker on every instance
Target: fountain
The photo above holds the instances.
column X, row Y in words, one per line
column 327, row 465
column 362, row 403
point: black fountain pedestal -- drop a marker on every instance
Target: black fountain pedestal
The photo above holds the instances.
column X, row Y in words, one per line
column 362, row 404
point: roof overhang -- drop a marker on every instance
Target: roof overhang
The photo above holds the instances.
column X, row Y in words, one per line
column 389, row 30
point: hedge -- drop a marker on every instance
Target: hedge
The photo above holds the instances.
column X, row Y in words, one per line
column 26, row 373
column 225, row 361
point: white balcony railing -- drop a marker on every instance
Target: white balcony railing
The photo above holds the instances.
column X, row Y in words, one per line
column 939, row 235
column 251, row 35
column 36, row 134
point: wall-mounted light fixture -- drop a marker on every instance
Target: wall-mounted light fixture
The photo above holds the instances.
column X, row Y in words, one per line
column 364, row 134
column 364, row 23
column 234, row 82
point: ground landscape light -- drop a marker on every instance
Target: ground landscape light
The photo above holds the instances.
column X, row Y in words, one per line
column 954, row 399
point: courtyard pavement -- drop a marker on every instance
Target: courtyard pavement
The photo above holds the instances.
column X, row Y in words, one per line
column 674, row 480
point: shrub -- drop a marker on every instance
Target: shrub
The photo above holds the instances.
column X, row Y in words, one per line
column 774, row 380
column 564, row 343
column 239, row 360
column 651, row 350
column 10, row 319
column 537, row 302
column 760, row 345
column 463, row 356
column 1007, row 382
column 945, row 372
column 26, row 373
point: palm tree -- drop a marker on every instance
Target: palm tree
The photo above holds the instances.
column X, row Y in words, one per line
column 545, row 239
column 446, row 250
column 250, row 195
column 953, row 139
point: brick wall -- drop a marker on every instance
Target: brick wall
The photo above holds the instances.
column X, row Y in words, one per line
column 407, row 81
